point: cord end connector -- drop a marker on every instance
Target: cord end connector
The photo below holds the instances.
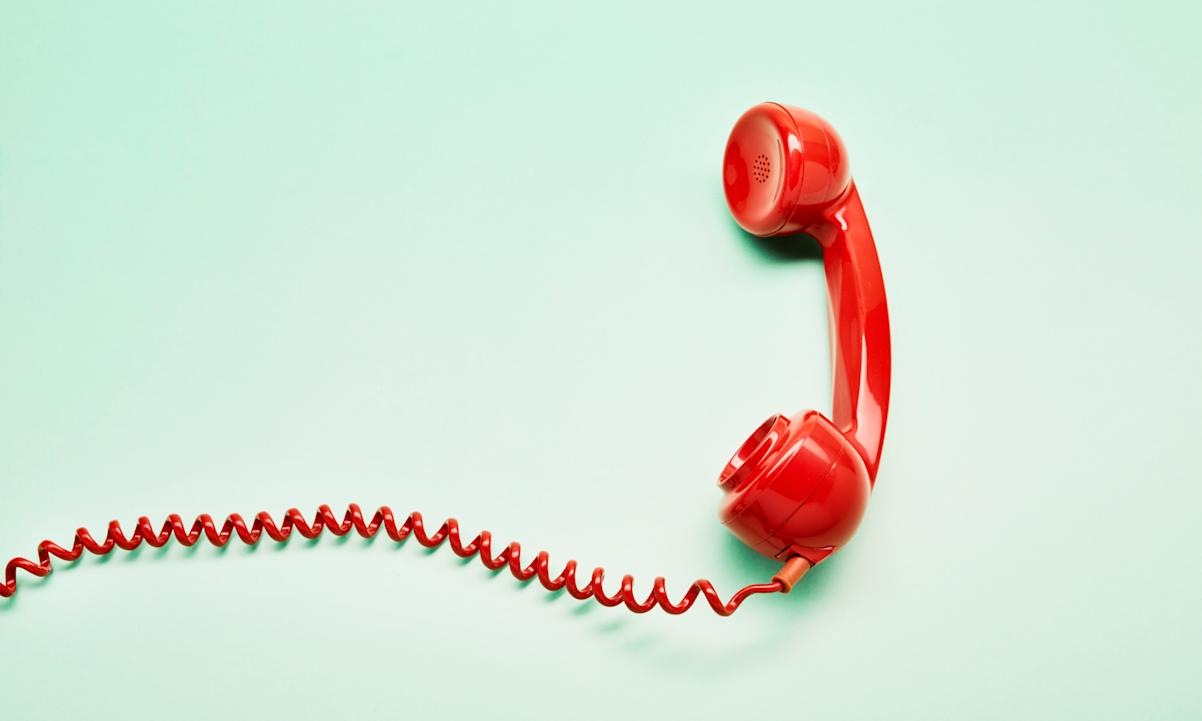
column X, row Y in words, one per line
column 790, row 573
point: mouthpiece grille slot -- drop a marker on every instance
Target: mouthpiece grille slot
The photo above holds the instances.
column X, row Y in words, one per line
column 761, row 168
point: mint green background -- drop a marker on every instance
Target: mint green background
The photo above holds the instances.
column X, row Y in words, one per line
column 475, row 261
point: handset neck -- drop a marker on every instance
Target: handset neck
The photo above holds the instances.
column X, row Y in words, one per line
column 859, row 318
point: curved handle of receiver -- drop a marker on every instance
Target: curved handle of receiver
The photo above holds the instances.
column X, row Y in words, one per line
column 860, row 352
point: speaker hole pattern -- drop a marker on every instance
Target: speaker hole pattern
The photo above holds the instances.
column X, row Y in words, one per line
column 760, row 168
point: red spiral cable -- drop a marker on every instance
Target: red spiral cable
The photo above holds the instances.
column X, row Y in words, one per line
column 353, row 520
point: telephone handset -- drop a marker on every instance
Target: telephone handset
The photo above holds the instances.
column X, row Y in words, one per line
column 798, row 486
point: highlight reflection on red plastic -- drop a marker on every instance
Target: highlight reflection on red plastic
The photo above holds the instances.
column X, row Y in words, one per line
column 383, row 519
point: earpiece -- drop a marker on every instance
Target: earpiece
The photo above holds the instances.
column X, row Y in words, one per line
column 795, row 490
column 798, row 486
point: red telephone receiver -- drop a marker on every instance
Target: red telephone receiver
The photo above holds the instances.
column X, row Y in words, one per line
column 795, row 490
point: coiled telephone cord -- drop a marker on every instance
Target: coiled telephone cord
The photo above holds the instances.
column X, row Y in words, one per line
column 383, row 519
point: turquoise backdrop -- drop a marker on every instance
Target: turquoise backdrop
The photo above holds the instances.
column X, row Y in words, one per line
column 473, row 259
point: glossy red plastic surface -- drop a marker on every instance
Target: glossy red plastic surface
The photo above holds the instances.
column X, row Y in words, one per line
column 799, row 486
